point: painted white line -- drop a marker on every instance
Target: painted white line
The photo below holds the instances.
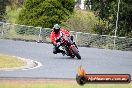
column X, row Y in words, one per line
column 30, row 64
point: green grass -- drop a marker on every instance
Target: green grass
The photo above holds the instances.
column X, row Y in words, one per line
column 57, row 84
column 10, row 61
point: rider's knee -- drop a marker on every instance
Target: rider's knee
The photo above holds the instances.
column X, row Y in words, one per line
column 54, row 50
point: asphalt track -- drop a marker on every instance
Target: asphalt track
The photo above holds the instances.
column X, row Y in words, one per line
column 97, row 61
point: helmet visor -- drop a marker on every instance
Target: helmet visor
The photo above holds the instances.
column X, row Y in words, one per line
column 56, row 30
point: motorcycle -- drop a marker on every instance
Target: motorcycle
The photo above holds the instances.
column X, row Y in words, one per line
column 68, row 46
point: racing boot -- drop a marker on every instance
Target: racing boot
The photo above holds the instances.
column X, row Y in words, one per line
column 63, row 52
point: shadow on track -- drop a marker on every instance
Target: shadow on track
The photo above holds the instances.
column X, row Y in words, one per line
column 66, row 58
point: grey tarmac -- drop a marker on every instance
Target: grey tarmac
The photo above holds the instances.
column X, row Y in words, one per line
column 94, row 61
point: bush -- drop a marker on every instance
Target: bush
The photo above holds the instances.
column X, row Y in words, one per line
column 81, row 21
column 45, row 13
column 12, row 14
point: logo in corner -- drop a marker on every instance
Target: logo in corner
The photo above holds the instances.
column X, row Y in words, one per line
column 82, row 77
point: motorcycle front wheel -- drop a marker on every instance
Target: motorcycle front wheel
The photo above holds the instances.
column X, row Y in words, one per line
column 75, row 51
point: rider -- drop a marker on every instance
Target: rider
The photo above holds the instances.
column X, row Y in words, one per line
column 56, row 33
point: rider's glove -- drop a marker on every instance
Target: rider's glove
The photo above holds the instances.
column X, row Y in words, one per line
column 67, row 35
column 58, row 38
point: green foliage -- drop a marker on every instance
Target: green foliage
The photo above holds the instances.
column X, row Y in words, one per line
column 27, row 30
column 107, row 10
column 68, row 4
column 12, row 14
column 81, row 21
column 13, row 8
column 125, row 18
column 14, row 4
column 2, row 9
column 45, row 13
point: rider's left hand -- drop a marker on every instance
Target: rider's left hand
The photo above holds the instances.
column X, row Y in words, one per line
column 57, row 39
column 67, row 35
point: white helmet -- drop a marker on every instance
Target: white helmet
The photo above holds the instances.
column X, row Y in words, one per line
column 56, row 28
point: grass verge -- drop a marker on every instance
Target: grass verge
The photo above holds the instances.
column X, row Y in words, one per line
column 55, row 84
column 10, row 62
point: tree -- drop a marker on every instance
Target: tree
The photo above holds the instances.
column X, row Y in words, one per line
column 14, row 4
column 81, row 21
column 125, row 18
column 45, row 13
column 107, row 9
column 3, row 4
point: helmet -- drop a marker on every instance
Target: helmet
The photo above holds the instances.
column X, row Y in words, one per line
column 56, row 28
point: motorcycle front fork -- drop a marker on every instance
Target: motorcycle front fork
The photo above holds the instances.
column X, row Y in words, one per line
column 75, row 45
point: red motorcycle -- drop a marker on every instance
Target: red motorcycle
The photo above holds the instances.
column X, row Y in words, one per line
column 67, row 45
